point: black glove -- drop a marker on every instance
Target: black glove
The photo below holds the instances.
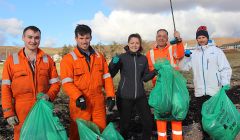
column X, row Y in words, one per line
column 110, row 103
column 81, row 102
column 175, row 41
column 155, row 72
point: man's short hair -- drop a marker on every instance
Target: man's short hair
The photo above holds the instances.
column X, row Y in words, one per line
column 162, row 30
column 82, row 29
column 34, row 28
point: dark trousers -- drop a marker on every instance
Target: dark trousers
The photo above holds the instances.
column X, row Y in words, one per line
column 125, row 107
column 201, row 100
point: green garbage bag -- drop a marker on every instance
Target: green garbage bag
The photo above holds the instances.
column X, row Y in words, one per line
column 41, row 124
column 110, row 133
column 170, row 96
column 89, row 131
column 181, row 99
column 220, row 118
column 161, row 95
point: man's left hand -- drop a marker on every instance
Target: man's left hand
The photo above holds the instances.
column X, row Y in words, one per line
column 177, row 36
column 110, row 103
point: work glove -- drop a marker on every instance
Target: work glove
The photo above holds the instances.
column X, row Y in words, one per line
column 155, row 72
column 115, row 59
column 226, row 87
column 45, row 97
column 81, row 103
column 110, row 103
column 174, row 41
column 13, row 120
column 188, row 53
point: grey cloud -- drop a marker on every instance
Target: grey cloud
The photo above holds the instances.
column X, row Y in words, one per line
column 11, row 26
column 49, row 42
column 123, row 23
column 155, row 6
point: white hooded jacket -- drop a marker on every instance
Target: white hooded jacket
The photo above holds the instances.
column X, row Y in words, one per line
column 211, row 69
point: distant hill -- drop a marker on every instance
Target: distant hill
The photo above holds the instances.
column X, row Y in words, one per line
column 218, row 41
column 110, row 50
column 12, row 49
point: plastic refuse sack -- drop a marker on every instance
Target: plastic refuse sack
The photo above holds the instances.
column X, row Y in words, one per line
column 181, row 99
column 41, row 124
column 161, row 95
column 110, row 133
column 89, row 131
column 169, row 97
column 220, row 118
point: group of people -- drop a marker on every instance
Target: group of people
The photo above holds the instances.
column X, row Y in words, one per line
column 84, row 72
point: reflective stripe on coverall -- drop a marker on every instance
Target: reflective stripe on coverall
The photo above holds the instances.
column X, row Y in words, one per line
column 80, row 78
column 20, row 85
column 173, row 53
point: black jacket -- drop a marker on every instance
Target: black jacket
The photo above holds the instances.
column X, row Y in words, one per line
column 134, row 71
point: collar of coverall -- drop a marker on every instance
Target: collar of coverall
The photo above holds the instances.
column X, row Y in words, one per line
column 84, row 53
column 161, row 48
column 40, row 53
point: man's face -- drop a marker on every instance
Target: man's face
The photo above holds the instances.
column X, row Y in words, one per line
column 162, row 38
column 202, row 40
column 31, row 39
column 83, row 41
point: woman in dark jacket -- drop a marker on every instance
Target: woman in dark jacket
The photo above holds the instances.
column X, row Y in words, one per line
column 134, row 71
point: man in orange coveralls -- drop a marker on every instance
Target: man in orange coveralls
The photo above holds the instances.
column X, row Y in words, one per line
column 25, row 74
column 84, row 72
column 172, row 52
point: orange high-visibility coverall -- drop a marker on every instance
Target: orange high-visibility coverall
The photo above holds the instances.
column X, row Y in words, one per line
column 20, row 85
column 82, row 78
column 173, row 53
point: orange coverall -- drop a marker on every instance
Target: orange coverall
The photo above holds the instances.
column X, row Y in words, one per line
column 173, row 53
column 82, row 78
column 20, row 85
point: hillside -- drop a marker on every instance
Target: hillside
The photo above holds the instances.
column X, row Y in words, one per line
column 6, row 50
column 218, row 41
column 111, row 49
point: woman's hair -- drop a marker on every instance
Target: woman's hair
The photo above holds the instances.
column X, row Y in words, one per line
column 136, row 35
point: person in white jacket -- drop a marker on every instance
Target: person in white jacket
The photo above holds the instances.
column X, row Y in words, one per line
column 211, row 69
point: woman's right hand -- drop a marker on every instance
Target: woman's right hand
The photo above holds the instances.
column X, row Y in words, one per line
column 115, row 59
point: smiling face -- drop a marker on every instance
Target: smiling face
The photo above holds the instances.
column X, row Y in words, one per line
column 83, row 41
column 134, row 44
column 31, row 39
column 162, row 38
column 202, row 40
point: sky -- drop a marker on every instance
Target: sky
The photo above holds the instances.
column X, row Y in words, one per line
column 114, row 20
